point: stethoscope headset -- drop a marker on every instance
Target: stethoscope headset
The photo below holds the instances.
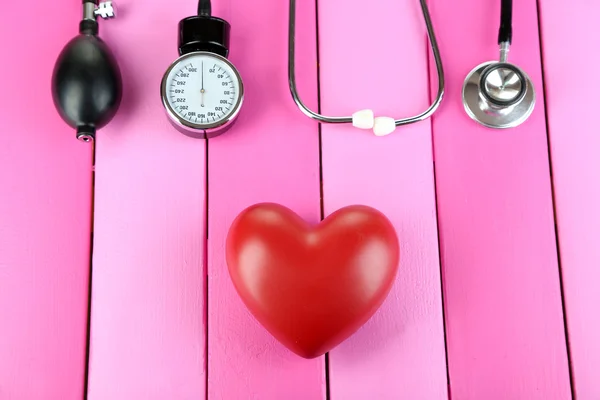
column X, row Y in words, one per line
column 498, row 94
column 87, row 86
column 365, row 119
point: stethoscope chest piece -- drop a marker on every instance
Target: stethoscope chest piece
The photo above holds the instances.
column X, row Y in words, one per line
column 498, row 95
column 202, row 91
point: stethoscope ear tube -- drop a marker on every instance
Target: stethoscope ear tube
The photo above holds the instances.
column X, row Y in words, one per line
column 86, row 82
column 365, row 119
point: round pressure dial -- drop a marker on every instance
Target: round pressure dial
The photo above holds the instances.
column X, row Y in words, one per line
column 202, row 93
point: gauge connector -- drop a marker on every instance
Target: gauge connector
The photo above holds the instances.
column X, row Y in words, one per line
column 106, row 10
column 92, row 10
column 200, row 33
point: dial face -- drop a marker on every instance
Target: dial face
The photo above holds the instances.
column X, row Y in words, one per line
column 202, row 89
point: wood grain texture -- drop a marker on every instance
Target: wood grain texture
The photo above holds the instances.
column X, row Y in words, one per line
column 570, row 32
column 45, row 215
column 271, row 154
column 147, row 328
column 400, row 352
column 504, row 321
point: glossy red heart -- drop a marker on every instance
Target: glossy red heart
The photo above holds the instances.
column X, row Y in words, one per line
column 312, row 286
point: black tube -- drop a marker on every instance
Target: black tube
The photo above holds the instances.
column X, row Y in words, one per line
column 89, row 26
column 505, row 32
column 204, row 8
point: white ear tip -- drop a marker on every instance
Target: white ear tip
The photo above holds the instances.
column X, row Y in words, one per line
column 384, row 126
column 363, row 119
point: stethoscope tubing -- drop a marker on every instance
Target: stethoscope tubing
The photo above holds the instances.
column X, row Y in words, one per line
column 348, row 119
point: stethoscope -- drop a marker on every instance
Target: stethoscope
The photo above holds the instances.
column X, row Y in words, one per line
column 365, row 119
column 499, row 94
column 87, row 87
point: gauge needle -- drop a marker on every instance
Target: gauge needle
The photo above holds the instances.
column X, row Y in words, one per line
column 202, row 89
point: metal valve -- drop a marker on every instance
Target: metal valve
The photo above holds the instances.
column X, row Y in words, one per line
column 106, row 10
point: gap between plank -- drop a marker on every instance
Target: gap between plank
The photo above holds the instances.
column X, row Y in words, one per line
column 321, row 191
column 205, row 268
column 86, row 375
column 437, row 213
column 553, row 192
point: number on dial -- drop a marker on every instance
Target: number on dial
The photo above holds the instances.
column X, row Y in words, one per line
column 203, row 89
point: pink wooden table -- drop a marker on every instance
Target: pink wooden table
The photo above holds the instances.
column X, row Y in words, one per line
column 113, row 283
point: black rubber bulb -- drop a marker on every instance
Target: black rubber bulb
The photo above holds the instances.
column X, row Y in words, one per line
column 86, row 84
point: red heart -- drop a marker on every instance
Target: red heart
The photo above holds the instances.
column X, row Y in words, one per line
column 312, row 287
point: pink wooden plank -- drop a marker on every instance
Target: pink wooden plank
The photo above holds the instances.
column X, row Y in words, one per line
column 272, row 154
column 504, row 321
column 400, row 352
column 45, row 208
column 569, row 32
column 148, row 330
